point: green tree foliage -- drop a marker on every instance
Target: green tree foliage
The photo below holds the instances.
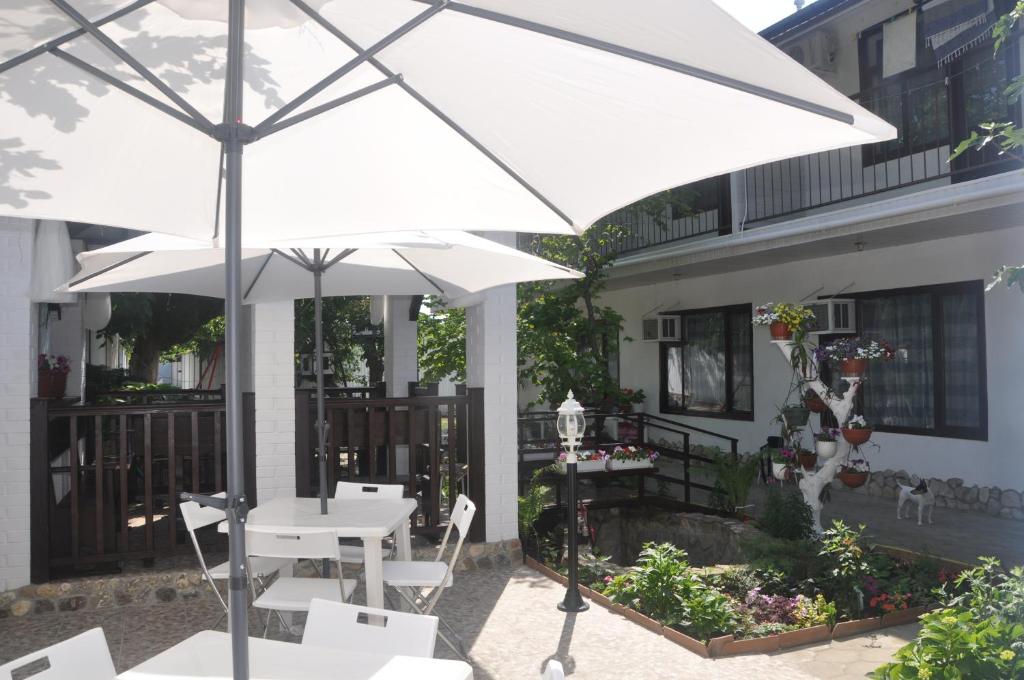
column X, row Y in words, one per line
column 152, row 323
column 442, row 342
column 348, row 334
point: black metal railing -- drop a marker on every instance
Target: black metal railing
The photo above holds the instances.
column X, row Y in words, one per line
column 931, row 119
column 539, row 446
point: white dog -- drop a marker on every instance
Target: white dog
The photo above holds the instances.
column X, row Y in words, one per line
column 921, row 495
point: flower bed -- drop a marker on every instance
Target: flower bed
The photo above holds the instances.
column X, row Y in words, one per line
column 754, row 608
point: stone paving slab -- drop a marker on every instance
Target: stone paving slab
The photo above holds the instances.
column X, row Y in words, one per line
column 510, row 624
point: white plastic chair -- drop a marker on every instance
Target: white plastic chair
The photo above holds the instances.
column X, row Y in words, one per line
column 435, row 575
column 83, row 657
column 293, row 594
column 196, row 517
column 553, row 671
column 365, row 629
column 353, row 554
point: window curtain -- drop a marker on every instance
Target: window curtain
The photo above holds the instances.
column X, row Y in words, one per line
column 741, row 338
column 960, row 360
column 900, row 392
column 704, row 362
column 673, row 378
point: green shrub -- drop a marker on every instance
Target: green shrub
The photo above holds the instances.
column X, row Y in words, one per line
column 797, row 560
column 978, row 634
column 786, row 515
column 735, row 476
column 847, row 565
column 662, row 585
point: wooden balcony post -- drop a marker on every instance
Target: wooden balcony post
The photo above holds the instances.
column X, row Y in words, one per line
column 39, row 485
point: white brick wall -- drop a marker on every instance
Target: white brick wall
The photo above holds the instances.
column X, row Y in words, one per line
column 401, row 360
column 274, row 383
column 16, row 374
column 491, row 364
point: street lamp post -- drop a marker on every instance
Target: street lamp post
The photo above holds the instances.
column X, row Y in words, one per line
column 571, row 426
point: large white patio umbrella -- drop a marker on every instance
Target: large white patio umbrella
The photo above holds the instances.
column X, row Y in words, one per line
column 377, row 115
column 446, row 263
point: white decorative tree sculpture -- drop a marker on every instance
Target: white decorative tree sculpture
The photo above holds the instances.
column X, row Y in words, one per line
column 812, row 482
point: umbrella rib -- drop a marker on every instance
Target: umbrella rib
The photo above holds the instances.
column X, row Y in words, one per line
column 294, row 260
column 68, row 37
column 347, row 68
column 127, row 89
column 259, row 273
column 333, row 30
column 109, row 268
column 134, row 63
column 220, row 191
column 651, row 59
column 322, row 108
column 418, row 271
column 339, row 257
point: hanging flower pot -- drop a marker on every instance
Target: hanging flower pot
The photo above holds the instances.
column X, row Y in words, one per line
column 857, row 436
column 825, row 450
column 814, row 403
column 780, row 331
column 853, row 478
column 808, row 459
column 853, row 368
column 796, row 416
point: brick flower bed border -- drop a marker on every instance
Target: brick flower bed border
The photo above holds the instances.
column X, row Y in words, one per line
column 728, row 645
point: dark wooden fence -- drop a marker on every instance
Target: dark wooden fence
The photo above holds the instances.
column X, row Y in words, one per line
column 105, row 479
column 432, row 445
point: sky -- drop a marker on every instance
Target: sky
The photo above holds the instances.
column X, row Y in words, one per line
column 758, row 14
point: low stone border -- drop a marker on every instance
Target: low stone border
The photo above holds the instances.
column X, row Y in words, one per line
column 178, row 582
column 728, row 645
column 951, row 493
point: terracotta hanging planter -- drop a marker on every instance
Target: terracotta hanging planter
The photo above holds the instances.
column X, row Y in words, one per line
column 853, row 478
column 853, row 368
column 780, row 331
column 808, row 459
column 857, row 436
column 796, row 416
column 814, row 403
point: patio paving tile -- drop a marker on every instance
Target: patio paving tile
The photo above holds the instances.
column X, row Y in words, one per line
column 509, row 623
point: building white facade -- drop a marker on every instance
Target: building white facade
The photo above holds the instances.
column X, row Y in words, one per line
column 895, row 219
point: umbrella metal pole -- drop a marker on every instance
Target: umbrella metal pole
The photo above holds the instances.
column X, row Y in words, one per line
column 318, row 332
column 233, row 135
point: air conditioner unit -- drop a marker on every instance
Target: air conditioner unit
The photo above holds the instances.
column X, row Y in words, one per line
column 662, row 328
column 833, row 316
column 307, row 367
column 818, row 53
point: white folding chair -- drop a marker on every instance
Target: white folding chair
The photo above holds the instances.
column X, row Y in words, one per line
column 196, row 517
column 293, row 594
column 353, row 554
column 83, row 657
column 365, row 629
column 435, row 575
column 553, row 671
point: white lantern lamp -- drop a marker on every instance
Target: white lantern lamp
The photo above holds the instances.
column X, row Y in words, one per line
column 571, row 426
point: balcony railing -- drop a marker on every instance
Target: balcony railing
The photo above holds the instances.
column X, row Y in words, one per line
column 932, row 114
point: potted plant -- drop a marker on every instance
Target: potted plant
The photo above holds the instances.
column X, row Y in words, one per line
column 853, row 354
column 631, row 457
column 813, row 402
column 825, row 443
column 795, row 415
column 782, row 318
column 808, row 459
column 857, row 431
column 588, row 460
column 631, row 401
column 53, row 375
column 854, row 472
column 783, row 460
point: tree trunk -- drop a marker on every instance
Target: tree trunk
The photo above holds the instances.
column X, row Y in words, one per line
column 144, row 364
column 374, row 362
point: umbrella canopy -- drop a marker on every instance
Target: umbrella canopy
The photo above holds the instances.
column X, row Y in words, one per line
column 532, row 115
column 449, row 263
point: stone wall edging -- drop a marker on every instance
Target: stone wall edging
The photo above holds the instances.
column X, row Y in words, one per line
column 951, row 493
